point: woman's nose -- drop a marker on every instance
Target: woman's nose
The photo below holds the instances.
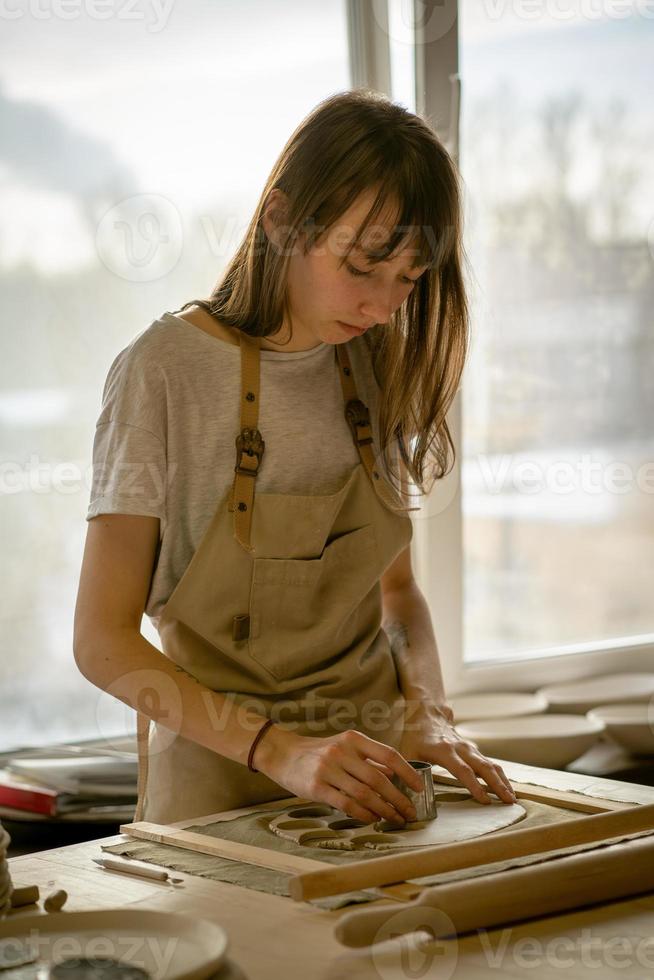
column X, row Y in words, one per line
column 378, row 306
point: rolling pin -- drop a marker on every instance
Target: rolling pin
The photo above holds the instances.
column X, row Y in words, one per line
column 559, row 885
column 466, row 854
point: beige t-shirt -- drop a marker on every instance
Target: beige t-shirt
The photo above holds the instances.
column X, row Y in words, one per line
column 164, row 443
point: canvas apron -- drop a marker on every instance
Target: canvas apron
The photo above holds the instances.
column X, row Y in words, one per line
column 280, row 608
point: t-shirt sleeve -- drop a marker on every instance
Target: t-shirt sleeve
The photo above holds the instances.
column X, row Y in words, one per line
column 129, row 446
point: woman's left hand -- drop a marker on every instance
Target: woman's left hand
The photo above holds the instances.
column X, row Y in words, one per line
column 430, row 736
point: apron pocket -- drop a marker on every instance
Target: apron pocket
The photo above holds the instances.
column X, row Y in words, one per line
column 303, row 612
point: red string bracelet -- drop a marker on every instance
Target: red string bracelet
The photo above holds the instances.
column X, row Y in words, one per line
column 257, row 738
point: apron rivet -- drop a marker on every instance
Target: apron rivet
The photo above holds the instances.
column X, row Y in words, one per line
column 242, row 506
column 346, row 371
column 375, row 474
column 250, row 397
column 241, row 627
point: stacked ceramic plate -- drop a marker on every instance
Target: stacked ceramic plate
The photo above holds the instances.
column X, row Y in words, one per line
column 515, row 727
column 477, row 707
column 6, row 887
column 582, row 696
column 630, row 725
column 550, row 741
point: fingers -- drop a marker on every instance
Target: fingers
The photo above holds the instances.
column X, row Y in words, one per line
column 340, row 801
column 361, row 787
column 492, row 775
column 359, row 769
column 388, row 756
column 467, row 763
column 465, row 774
column 382, row 768
column 375, row 782
column 507, row 783
column 365, row 797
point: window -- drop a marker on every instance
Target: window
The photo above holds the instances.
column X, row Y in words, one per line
column 558, row 449
column 136, row 145
column 539, row 543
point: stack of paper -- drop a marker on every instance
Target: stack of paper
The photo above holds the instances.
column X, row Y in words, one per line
column 75, row 781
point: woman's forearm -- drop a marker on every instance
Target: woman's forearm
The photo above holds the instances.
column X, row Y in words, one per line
column 407, row 622
column 126, row 665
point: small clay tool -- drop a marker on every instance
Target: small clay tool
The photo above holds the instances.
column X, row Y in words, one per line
column 136, row 868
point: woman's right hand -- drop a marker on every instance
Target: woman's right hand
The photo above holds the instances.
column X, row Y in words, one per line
column 349, row 771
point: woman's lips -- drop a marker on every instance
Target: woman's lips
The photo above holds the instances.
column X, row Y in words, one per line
column 350, row 326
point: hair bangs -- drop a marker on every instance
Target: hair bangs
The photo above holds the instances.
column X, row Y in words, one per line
column 410, row 222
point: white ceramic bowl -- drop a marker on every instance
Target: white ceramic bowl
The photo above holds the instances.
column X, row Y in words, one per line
column 631, row 725
column 551, row 741
column 593, row 692
column 467, row 707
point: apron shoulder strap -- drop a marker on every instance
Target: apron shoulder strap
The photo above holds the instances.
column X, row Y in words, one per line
column 249, row 443
column 358, row 418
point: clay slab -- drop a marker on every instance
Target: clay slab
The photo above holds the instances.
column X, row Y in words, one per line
column 460, row 819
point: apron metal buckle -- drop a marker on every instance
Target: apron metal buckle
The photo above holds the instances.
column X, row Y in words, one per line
column 249, row 441
column 357, row 415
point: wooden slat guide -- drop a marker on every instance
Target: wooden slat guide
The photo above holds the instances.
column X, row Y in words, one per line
column 554, row 797
column 178, row 836
column 590, row 828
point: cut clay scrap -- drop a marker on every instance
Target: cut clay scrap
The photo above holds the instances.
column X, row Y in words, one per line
column 318, row 825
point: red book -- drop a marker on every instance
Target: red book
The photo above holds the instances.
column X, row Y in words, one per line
column 21, row 795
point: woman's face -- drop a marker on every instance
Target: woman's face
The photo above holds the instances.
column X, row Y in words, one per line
column 325, row 299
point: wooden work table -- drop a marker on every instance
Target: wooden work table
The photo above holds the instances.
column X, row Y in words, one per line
column 275, row 937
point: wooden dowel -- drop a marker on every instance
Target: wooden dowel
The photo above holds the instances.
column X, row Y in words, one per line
column 564, row 799
column 560, row 884
column 482, row 850
column 234, row 850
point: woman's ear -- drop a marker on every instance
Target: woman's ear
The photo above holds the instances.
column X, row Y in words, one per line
column 274, row 216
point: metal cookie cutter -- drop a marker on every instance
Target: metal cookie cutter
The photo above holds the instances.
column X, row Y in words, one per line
column 423, row 800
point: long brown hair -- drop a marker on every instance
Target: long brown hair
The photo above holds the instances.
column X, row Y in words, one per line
column 352, row 142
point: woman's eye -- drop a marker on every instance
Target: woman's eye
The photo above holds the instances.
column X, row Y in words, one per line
column 358, row 272
column 355, row 272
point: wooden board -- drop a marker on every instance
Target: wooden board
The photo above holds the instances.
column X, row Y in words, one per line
column 177, row 835
column 594, row 829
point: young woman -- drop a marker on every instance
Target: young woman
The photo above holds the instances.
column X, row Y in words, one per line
column 244, row 494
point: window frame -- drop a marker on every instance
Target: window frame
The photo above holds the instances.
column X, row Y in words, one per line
column 437, row 546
